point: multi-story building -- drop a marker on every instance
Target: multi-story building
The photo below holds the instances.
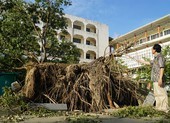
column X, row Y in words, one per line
column 91, row 37
column 143, row 39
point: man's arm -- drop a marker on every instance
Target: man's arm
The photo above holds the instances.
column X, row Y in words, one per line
column 143, row 62
column 161, row 62
column 140, row 61
column 160, row 77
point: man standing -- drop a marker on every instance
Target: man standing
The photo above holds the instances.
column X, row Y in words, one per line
column 157, row 77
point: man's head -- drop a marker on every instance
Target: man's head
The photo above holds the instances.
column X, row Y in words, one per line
column 156, row 48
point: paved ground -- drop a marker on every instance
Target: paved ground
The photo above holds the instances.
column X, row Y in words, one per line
column 100, row 117
column 104, row 119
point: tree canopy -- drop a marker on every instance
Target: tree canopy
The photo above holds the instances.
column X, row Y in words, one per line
column 28, row 31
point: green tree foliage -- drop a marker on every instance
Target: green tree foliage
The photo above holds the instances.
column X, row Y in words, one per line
column 64, row 52
column 166, row 53
column 15, row 37
column 144, row 72
column 28, row 31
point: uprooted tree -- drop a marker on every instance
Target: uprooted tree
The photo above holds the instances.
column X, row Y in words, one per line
column 92, row 86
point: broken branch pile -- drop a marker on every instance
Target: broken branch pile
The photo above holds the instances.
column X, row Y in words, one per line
column 92, row 86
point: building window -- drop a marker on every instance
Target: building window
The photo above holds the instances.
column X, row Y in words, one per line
column 76, row 40
column 148, row 38
column 166, row 32
column 88, row 29
column 87, row 56
column 142, row 40
column 88, row 42
column 62, row 37
column 161, row 34
column 137, row 43
column 76, row 27
column 154, row 36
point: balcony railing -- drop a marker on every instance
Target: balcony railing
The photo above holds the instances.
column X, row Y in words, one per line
column 84, row 46
column 82, row 32
column 91, row 34
column 79, row 32
column 156, row 40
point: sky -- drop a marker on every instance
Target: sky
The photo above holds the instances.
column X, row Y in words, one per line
column 121, row 16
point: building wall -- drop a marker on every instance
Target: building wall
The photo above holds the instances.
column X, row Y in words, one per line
column 103, row 40
column 91, row 37
column 143, row 40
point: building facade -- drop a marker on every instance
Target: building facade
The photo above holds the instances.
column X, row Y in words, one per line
column 143, row 39
column 89, row 36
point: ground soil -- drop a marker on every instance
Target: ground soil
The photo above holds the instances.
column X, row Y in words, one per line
column 102, row 118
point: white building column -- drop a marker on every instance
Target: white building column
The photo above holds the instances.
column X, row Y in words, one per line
column 84, row 27
column 85, row 54
column 85, row 40
column 72, row 24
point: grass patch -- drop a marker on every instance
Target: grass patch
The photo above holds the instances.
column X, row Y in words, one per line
column 138, row 112
column 13, row 108
column 83, row 119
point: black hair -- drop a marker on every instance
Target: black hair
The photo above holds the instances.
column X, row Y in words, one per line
column 157, row 48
